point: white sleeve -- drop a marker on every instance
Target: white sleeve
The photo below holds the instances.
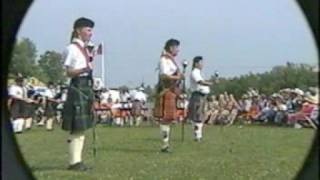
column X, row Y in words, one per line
column 12, row 91
column 164, row 66
column 68, row 56
column 196, row 76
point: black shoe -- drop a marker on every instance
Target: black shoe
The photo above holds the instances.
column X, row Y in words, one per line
column 78, row 167
column 198, row 139
column 166, row 150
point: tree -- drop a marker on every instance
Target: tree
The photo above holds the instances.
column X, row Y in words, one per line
column 23, row 58
column 51, row 67
column 289, row 76
column 149, row 91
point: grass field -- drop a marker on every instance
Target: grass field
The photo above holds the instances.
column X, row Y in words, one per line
column 251, row 152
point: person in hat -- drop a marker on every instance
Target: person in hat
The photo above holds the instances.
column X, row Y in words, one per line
column 17, row 104
column 137, row 106
column 77, row 112
column 308, row 112
column 233, row 107
column 200, row 89
column 30, row 109
column 212, row 109
column 50, row 106
column 167, row 90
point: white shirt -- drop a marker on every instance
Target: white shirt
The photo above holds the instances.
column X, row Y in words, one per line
column 195, row 77
column 248, row 104
column 16, row 91
column 104, row 97
column 74, row 58
column 167, row 67
column 49, row 93
column 124, row 97
column 116, row 105
column 64, row 97
column 282, row 107
column 140, row 96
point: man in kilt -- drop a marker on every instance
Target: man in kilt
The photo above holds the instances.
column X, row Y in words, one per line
column 77, row 113
column 50, row 106
column 137, row 106
column 200, row 88
column 30, row 109
column 167, row 90
column 17, row 103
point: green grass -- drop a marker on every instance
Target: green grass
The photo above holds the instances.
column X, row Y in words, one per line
column 251, row 152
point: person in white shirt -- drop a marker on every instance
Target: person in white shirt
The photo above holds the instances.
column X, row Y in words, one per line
column 125, row 107
column 50, row 104
column 116, row 113
column 167, row 90
column 17, row 104
column 137, row 106
column 200, row 89
column 77, row 112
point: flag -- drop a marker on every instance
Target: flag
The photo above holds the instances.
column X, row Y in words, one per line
column 99, row 50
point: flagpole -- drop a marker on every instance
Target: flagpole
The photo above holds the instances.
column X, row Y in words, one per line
column 102, row 65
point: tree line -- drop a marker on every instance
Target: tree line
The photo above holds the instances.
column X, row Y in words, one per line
column 45, row 67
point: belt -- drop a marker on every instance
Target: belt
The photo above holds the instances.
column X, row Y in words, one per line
column 82, row 80
column 198, row 93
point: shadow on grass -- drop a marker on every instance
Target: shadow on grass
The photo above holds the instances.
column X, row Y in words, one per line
column 48, row 168
column 128, row 150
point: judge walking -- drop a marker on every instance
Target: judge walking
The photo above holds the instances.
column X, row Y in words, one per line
column 200, row 88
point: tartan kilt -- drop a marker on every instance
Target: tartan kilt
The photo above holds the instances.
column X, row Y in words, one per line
column 137, row 108
column 196, row 107
column 17, row 109
column 166, row 106
column 29, row 109
column 50, row 110
column 116, row 112
column 77, row 113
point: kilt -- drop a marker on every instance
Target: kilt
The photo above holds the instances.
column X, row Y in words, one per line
column 30, row 109
column 137, row 108
column 17, row 109
column 166, row 106
column 124, row 113
column 196, row 107
column 77, row 113
column 116, row 113
column 50, row 110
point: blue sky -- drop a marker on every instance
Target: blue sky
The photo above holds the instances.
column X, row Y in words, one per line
column 235, row 37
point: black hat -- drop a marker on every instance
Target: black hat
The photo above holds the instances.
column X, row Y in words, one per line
column 19, row 77
column 83, row 22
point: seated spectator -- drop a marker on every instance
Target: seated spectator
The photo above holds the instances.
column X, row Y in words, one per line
column 307, row 112
column 211, row 109
column 281, row 113
column 233, row 107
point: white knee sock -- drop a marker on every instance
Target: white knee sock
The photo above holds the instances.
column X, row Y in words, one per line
column 81, row 144
column 19, row 123
column 28, row 123
column 15, row 123
column 165, row 132
column 49, row 124
column 131, row 119
column 198, row 130
column 118, row 121
column 138, row 120
column 76, row 143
